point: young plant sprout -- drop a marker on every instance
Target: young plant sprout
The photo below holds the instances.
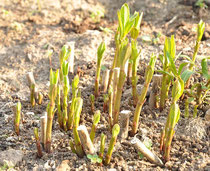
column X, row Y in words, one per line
column 115, row 132
column 141, row 97
column 200, row 31
column 75, row 83
column 71, row 57
column 100, row 53
column 102, row 146
column 110, row 93
column 96, row 119
column 106, row 100
column 39, row 150
column 169, row 48
column 92, row 101
column 66, row 88
column 126, row 23
column 58, row 101
column 198, row 91
column 54, row 76
column 77, row 111
column 43, row 129
column 124, row 54
column 94, row 158
column 174, row 113
column 64, row 55
column 32, row 88
column 72, row 147
column 40, row 98
column 135, row 60
column 17, row 118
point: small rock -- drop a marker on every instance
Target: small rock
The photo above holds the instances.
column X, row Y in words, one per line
column 63, row 166
column 207, row 115
column 11, row 157
column 29, row 113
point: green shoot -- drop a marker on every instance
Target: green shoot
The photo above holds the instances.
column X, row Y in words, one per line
column 17, row 118
column 92, row 101
column 94, row 158
column 102, row 146
column 96, row 119
column 39, row 150
column 100, row 53
column 77, row 109
column 115, row 132
column 54, row 76
column 141, row 98
column 66, row 88
column 169, row 48
column 75, row 83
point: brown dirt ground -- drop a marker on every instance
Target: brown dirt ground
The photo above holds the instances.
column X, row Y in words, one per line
column 27, row 34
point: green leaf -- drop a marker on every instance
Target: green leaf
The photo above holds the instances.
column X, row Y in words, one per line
column 172, row 64
column 200, row 30
column 96, row 117
column 94, row 158
column 187, row 57
column 115, row 130
column 100, row 52
column 204, row 65
column 186, row 75
column 165, row 72
column 182, row 65
column 161, row 58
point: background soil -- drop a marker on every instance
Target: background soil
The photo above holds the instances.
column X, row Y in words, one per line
column 26, row 36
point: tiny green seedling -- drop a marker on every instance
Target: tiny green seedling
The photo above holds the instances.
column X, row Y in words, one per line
column 94, row 158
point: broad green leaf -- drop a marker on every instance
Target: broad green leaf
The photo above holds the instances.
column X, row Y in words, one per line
column 204, row 65
column 186, row 75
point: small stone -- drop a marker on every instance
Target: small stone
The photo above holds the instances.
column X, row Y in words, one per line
column 29, row 113
column 11, row 157
column 207, row 115
column 63, row 166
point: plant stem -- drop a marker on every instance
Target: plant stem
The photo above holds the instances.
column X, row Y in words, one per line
column 102, row 146
column 115, row 132
column 141, row 98
column 186, row 111
column 39, row 150
column 17, row 118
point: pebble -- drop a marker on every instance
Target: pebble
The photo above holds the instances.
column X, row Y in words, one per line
column 207, row 115
column 63, row 166
column 11, row 157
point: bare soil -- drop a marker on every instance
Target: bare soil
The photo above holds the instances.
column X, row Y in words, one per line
column 27, row 34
